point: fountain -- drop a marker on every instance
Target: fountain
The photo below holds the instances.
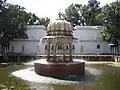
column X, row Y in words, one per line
column 58, row 68
column 58, row 48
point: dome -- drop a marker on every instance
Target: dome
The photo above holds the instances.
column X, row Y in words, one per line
column 59, row 27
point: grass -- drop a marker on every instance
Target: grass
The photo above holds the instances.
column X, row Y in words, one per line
column 9, row 82
column 108, row 80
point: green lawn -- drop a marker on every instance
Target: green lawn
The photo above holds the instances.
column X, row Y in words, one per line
column 108, row 80
column 9, row 82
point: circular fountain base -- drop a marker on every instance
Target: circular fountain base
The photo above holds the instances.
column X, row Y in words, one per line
column 60, row 69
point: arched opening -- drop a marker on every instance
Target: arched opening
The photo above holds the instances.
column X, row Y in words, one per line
column 73, row 47
column 51, row 46
column 59, row 46
column 46, row 47
column 67, row 47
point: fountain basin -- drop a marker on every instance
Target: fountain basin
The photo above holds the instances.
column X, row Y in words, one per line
column 60, row 69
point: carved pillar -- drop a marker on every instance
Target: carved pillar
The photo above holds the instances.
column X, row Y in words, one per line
column 48, row 51
column 54, row 49
column 64, row 52
column 70, row 52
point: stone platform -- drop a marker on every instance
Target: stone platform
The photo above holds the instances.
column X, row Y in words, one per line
column 60, row 69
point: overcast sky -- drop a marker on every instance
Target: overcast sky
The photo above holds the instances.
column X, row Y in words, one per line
column 50, row 8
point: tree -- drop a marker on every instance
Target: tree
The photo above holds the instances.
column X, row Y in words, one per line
column 82, row 10
column 111, row 22
column 111, row 25
column 35, row 20
column 44, row 21
column 79, row 14
column 2, row 2
column 13, row 23
column 71, row 14
column 93, row 10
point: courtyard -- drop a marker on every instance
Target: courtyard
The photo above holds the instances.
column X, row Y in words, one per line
column 78, row 50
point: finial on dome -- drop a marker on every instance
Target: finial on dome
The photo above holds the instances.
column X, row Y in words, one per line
column 60, row 14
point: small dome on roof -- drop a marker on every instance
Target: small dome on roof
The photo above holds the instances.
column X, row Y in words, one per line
column 59, row 25
column 59, row 28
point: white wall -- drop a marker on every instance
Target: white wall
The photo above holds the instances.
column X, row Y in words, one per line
column 30, row 47
column 36, row 32
column 88, row 37
column 91, row 47
column 91, row 33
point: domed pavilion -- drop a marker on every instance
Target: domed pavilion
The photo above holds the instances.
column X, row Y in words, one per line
column 58, row 46
column 59, row 41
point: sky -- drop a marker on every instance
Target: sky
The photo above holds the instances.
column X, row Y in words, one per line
column 50, row 8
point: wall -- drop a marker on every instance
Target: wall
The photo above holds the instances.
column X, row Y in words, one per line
column 88, row 39
column 30, row 46
column 90, row 47
column 36, row 32
column 89, row 33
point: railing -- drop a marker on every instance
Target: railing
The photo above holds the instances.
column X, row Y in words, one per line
column 117, row 58
column 26, row 58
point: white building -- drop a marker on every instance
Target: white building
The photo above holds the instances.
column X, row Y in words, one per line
column 89, row 41
column 30, row 45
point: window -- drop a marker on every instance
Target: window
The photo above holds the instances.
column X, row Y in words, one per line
column 59, row 47
column 73, row 46
column 23, row 49
column 98, row 46
column 67, row 47
column 45, row 47
column 51, row 47
column 12, row 48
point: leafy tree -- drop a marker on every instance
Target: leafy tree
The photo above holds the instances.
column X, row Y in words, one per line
column 82, row 10
column 44, row 21
column 79, row 14
column 13, row 23
column 111, row 22
column 35, row 20
column 71, row 14
column 93, row 10
column 2, row 2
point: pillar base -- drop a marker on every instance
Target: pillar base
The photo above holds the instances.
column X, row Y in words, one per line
column 60, row 69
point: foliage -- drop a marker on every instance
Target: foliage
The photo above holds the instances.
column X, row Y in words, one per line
column 35, row 20
column 14, row 20
column 44, row 21
column 111, row 22
column 79, row 14
column 93, row 10
column 13, row 23
column 71, row 14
